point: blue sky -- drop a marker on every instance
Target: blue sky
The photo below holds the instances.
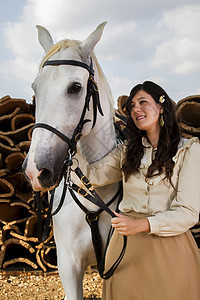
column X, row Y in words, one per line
column 11, row 10
column 145, row 39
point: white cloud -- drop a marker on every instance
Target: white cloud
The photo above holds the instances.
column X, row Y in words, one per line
column 119, row 43
column 183, row 21
column 120, row 86
column 179, row 54
column 21, row 40
column 65, row 19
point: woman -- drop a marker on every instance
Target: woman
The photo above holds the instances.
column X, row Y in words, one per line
column 161, row 202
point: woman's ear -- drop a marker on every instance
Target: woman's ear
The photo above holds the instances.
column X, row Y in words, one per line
column 161, row 109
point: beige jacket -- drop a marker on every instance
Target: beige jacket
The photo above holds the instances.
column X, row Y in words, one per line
column 171, row 211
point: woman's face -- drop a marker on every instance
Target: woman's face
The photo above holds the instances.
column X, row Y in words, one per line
column 145, row 112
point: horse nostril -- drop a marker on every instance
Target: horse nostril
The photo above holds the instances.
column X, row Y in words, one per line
column 46, row 173
column 46, row 178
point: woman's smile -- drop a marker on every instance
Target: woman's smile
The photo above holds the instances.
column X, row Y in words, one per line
column 140, row 117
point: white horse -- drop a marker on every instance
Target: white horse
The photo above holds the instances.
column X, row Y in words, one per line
column 60, row 92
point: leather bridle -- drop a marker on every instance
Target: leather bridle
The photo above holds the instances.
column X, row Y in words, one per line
column 92, row 91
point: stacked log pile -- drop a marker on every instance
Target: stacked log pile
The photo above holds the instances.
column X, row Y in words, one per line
column 18, row 220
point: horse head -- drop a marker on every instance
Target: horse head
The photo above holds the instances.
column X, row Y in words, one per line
column 60, row 93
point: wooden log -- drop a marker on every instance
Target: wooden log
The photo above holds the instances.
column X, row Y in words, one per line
column 7, row 229
column 21, row 120
column 41, row 247
column 22, row 187
column 5, row 120
column 8, row 105
column 1, row 237
column 14, row 161
column 7, row 146
column 39, row 261
column 1, row 160
column 20, row 260
column 11, row 227
column 3, row 173
column 30, row 231
column 188, row 115
column 18, row 222
column 18, row 203
column 121, row 105
column 49, row 257
column 30, row 131
column 31, row 227
column 24, row 146
column 13, row 212
column 6, row 188
column 14, row 248
column 24, row 238
column 19, row 134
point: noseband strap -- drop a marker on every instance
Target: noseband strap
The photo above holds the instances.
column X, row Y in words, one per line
column 54, row 130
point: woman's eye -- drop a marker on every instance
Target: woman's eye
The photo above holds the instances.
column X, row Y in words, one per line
column 74, row 88
column 142, row 101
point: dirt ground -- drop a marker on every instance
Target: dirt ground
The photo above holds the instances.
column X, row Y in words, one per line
column 44, row 287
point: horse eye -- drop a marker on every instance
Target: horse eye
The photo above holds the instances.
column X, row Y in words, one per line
column 74, row 88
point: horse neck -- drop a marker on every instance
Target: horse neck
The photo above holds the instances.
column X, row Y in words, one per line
column 101, row 139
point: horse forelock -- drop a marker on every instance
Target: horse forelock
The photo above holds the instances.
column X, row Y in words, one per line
column 59, row 47
column 74, row 44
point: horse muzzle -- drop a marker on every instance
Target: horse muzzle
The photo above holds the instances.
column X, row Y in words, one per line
column 44, row 171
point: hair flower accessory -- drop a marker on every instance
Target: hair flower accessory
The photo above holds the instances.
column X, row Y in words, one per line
column 162, row 99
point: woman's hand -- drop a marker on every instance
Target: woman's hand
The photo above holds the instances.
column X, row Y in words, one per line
column 128, row 226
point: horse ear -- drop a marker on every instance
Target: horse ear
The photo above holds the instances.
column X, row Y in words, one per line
column 44, row 38
column 88, row 45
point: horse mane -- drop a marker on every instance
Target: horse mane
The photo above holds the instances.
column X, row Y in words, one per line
column 74, row 44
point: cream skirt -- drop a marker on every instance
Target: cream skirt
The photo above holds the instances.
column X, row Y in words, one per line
column 154, row 268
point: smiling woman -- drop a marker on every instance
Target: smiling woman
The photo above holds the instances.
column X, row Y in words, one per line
column 161, row 186
column 145, row 113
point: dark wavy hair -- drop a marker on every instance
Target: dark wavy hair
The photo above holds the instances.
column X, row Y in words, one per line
column 168, row 140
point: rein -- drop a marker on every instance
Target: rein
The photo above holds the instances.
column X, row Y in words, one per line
column 92, row 196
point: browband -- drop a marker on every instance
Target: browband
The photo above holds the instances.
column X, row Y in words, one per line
column 69, row 62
